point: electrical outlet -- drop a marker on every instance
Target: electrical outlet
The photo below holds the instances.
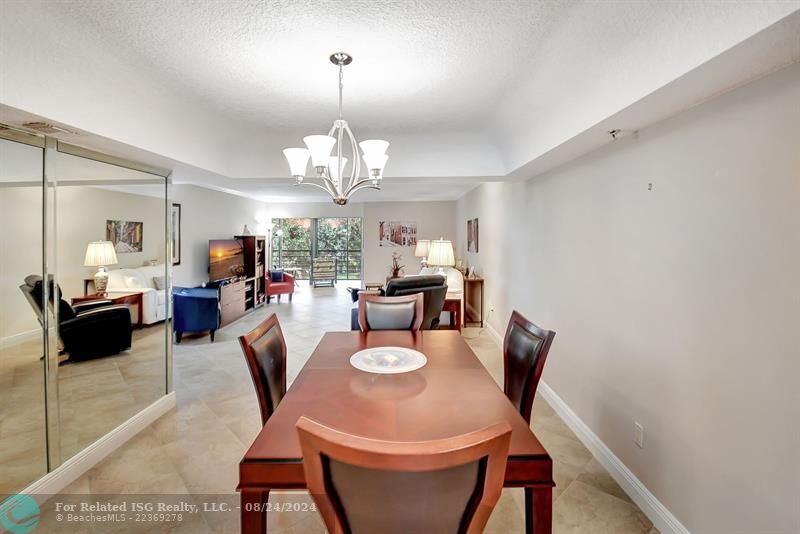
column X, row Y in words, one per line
column 638, row 434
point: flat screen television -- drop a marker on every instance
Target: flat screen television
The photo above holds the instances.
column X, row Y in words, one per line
column 225, row 259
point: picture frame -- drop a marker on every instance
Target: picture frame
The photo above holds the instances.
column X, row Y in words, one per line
column 127, row 236
column 473, row 234
column 175, row 216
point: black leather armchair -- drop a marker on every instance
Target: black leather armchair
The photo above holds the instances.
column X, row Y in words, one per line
column 433, row 288
column 88, row 330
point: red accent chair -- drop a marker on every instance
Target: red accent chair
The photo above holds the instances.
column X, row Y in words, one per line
column 280, row 288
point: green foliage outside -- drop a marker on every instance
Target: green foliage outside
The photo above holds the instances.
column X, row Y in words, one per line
column 340, row 237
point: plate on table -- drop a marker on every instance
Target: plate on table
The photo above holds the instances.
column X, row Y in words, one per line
column 388, row 360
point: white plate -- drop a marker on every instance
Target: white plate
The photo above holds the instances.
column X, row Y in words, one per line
column 388, row 360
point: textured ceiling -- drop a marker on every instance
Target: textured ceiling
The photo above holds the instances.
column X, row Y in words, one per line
column 465, row 91
column 419, row 65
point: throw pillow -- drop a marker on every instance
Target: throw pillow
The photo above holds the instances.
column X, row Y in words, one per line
column 132, row 282
column 276, row 276
column 160, row 282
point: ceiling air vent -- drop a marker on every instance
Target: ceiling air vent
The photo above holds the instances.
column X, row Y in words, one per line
column 46, row 128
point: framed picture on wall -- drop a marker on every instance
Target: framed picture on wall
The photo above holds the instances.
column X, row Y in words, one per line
column 397, row 234
column 127, row 236
column 472, row 235
column 176, row 233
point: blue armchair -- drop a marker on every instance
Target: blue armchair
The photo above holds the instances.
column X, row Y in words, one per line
column 196, row 309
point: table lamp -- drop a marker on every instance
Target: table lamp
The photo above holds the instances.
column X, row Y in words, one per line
column 441, row 254
column 422, row 250
column 99, row 254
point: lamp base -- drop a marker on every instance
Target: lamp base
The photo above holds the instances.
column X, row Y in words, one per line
column 101, row 280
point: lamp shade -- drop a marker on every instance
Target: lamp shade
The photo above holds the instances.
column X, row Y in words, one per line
column 441, row 253
column 423, row 248
column 100, row 253
column 320, row 147
column 297, row 159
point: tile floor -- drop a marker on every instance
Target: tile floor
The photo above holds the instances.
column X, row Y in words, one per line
column 95, row 397
column 195, row 449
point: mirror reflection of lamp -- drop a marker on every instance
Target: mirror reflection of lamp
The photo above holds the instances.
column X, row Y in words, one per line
column 100, row 254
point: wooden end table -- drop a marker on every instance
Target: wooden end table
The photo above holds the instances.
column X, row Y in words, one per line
column 453, row 307
column 133, row 298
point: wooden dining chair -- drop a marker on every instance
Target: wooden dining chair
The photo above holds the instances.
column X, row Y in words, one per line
column 525, row 350
column 404, row 312
column 364, row 485
column 265, row 351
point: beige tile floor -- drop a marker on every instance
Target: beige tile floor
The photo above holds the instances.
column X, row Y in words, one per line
column 95, row 396
column 195, row 449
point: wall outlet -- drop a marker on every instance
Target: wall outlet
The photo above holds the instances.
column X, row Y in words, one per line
column 638, row 434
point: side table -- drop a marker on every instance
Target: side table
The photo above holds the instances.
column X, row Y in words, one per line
column 453, row 307
column 129, row 299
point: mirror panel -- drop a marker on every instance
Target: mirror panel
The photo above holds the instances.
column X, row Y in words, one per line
column 100, row 387
column 23, row 432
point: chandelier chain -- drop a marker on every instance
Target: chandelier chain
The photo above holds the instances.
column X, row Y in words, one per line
column 341, row 87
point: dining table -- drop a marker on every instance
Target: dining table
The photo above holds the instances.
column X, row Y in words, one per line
column 451, row 394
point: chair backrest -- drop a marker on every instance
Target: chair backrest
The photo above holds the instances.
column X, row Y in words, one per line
column 434, row 292
column 390, row 313
column 525, row 350
column 364, row 485
column 265, row 351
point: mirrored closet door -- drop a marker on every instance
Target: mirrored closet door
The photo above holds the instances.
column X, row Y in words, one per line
column 84, row 299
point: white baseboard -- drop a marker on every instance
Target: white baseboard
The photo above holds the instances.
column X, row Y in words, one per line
column 661, row 517
column 495, row 334
column 22, row 337
column 56, row 480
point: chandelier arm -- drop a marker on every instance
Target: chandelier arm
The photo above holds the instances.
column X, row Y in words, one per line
column 365, row 183
column 356, row 158
column 323, row 187
column 340, row 178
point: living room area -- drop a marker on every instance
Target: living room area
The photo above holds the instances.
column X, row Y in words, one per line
column 510, row 266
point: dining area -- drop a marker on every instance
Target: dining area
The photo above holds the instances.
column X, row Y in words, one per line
column 393, row 428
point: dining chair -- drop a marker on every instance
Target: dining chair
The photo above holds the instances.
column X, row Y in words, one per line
column 404, row 312
column 525, row 349
column 265, row 351
column 365, row 485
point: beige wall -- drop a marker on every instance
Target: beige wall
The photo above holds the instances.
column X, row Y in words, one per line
column 433, row 219
column 675, row 307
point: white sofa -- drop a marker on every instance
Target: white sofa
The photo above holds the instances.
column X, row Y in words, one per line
column 154, row 301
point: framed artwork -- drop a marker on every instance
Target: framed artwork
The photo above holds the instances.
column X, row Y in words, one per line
column 127, row 236
column 472, row 235
column 176, row 233
column 397, row 234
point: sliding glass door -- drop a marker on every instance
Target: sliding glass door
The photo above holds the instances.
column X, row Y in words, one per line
column 296, row 241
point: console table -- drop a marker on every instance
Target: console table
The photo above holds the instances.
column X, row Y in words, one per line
column 473, row 300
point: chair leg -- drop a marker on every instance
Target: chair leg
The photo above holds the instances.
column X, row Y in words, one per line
column 279, row 297
column 290, row 297
column 212, row 335
column 178, row 337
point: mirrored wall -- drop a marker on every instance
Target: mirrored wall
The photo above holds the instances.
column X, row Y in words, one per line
column 84, row 299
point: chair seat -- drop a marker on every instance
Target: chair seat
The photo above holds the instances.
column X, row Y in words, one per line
column 280, row 287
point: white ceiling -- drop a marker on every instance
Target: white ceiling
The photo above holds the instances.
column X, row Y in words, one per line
column 429, row 65
column 466, row 91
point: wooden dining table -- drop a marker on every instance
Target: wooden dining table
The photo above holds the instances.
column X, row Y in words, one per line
column 452, row 394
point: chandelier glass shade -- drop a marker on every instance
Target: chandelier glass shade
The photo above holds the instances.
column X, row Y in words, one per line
column 331, row 172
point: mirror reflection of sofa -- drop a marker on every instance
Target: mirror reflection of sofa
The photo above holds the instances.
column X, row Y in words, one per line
column 150, row 281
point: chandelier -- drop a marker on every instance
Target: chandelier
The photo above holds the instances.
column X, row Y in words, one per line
column 329, row 171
